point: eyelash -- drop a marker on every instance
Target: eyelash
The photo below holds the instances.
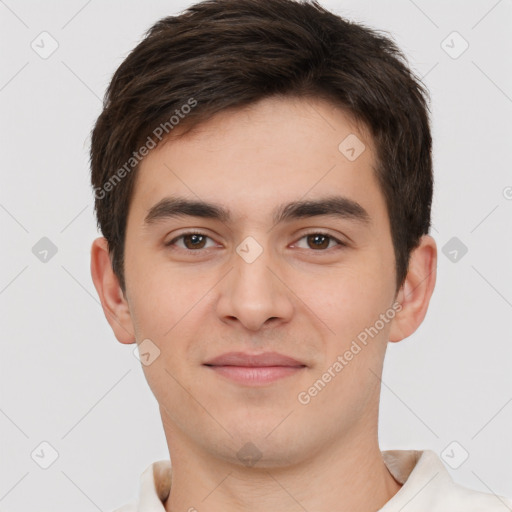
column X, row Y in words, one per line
column 321, row 233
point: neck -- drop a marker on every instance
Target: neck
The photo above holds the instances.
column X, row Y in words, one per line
column 348, row 477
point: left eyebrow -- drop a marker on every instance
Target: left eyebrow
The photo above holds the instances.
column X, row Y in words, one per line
column 334, row 206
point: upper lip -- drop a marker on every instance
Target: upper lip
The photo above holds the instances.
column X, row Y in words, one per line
column 244, row 359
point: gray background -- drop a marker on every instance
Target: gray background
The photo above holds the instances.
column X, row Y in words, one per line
column 64, row 378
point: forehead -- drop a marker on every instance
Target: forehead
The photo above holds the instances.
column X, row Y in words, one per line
column 276, row 150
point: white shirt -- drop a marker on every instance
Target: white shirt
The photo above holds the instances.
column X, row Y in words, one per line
column 426, row 487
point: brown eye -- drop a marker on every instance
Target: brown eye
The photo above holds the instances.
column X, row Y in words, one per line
column 320, row 241
column 191, row 241
column 194, row 241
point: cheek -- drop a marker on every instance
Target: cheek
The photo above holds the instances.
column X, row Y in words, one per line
column 164, row 307
column 348, row 299
column 161, row 296
column 350, row 304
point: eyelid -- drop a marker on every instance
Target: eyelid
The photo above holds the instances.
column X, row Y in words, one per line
column 320, row 231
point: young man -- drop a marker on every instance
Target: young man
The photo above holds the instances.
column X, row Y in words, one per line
column 263, row 181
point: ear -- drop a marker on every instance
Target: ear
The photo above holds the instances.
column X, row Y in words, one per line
column 114, row 304
column 415, row 293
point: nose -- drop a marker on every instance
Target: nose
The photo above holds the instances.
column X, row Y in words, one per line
column 254, row 294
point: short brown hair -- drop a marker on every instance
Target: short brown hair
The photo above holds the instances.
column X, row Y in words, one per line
column 221, row 54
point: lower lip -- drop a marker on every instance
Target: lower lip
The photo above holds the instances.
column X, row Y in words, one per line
column 256, row 375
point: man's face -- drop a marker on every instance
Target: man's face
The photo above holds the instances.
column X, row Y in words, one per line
column 251, row 283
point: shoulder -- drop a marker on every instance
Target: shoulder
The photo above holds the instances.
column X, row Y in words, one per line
column 428, row 486
column 457, row 497
column 464, row 499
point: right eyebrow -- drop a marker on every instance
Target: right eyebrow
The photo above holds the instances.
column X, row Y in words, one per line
column 172, row 207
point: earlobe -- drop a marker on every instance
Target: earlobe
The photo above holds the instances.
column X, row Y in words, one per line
column 415, row 293
column 114, row 304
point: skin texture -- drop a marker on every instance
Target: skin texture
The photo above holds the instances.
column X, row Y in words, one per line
column 296, row 299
